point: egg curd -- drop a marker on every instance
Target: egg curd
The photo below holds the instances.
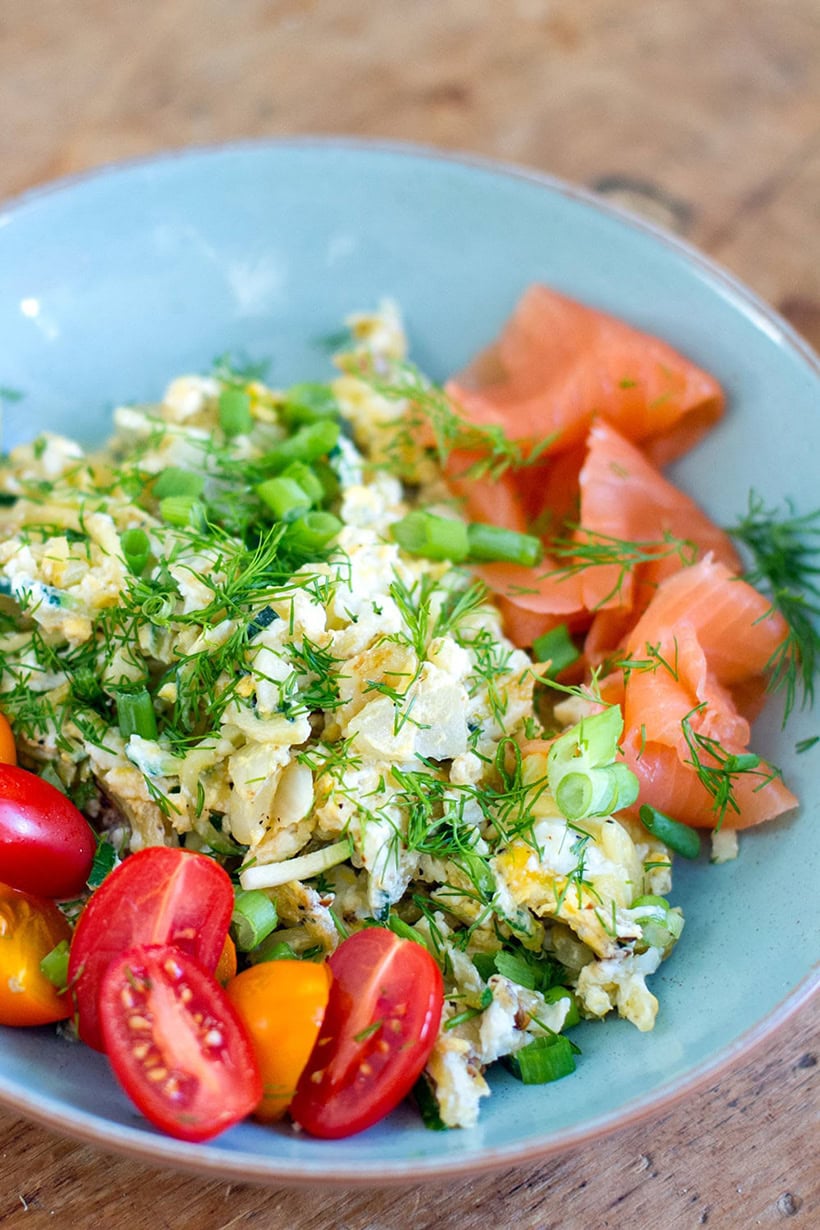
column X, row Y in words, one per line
column 209, row 637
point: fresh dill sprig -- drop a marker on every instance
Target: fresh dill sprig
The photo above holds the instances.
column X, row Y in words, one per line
column 718, row 769
column 785, row 565
column 430, row 413
column 585, row 549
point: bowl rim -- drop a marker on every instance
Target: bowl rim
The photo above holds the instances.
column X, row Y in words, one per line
column 165, row 1151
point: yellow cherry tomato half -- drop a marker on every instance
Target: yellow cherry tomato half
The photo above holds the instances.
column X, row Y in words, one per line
column 8, row 750
column 29, row 928
column 281, row 1004
column 226, row 965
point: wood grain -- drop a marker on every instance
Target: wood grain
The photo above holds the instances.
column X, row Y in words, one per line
column 703, row 115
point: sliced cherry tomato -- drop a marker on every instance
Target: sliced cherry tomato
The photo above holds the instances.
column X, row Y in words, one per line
column 379, row 1028
column 156, row 896
column 282, row 1004
column 29, row 928
column 46, row 845
column 176, row 1044
column 226, row 965
column 8, row 750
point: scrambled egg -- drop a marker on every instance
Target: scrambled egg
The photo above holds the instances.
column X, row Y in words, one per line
column 365, row 697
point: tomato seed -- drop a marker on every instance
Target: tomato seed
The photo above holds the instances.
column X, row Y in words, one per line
column 140, row 1023
column 140, row 1051
column 213, row 1038
column 156, row 1074
column 172, row 969
column 316, row 1077
column 186, row 995
column 365, row 1068
column 127, row 997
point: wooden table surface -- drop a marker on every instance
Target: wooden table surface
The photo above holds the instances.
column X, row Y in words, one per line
column 704, row 114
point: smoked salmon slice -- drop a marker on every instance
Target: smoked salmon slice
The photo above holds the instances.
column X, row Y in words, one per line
column 704, row 636
column 735, row 625
column 558, row 364
column 624, row 497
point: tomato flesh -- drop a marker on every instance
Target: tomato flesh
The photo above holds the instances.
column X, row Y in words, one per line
column 29, row 928
column 379, row 1028
column 46, row 845
column 8, row 749
column 176, row 1044
column 159, row 895
column 282, row 1004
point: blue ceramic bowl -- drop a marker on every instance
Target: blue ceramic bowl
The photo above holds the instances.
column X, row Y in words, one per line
column 113, row 283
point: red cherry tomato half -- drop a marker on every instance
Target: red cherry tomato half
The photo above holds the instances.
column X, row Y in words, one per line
column 176, row 1044
column 46, row 845
column 379, row 1028
column 156, row 896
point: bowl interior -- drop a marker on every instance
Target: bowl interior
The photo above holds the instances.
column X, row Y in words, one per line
column 112, row 285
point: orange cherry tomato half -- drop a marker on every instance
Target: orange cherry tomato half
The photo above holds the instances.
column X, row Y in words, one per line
column 8, row 750
column 226, row 965
column 379, row 1028
column 29, row 928
column 282, row 1004
column 175, row 1043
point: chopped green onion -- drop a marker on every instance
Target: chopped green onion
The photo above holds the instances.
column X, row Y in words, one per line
column 303, row 867
column 554, row 995
column 182, row 510
column 279, row 950
column 135, row 714
column 136, row 547
column 313, row 531
column 574, row 795
column 595, row 736
column 235, row 417
column 485, row 964
column 431, row 537
column 304, row 475
column 329, row 479
column 49, row 774
column 650, row 899
column 105, row 856
column 744, row 762
column 461, row 1018
column 518, row 971
column 678, row 837
column 477, row 871
column 427, row 1103
column 176, row 481
column 446, row 538
column 625, row 783
column 309, row 402
column 403, row 930
column 584, row 777
column 557, row 648
column 488, row 543
column 542, row 1060
column 254, row 917
column 309, row 443
column 207, row 836
column 284, row 497
column 54, row 965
